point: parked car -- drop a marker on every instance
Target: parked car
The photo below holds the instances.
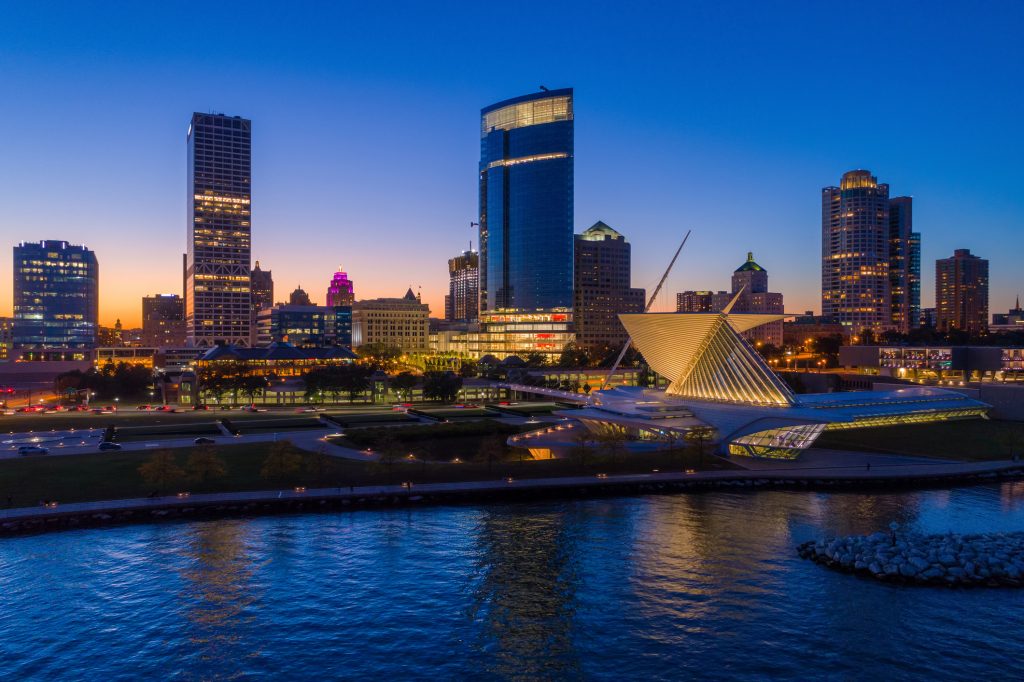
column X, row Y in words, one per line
column 203, row 440
column 108, row 445
column 201, row 407
column 32, row 450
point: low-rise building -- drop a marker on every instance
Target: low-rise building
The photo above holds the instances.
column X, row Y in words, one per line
column 307, row 326
column 402, row 323
column 936, row 363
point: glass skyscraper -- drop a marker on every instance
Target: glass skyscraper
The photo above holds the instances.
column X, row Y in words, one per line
column 56, row 295
column 526, row 203
column 218, row 306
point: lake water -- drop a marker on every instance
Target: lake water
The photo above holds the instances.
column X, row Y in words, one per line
column 658, row 587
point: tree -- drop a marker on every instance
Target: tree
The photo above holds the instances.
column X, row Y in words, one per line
column 467, row 370
column 535, row 359
column 574, row 355
column 699, row 436
column 380, row 356
column 354, row 380
column 389, row 450
column 491, row 448
column 319, row 464
column 612, row 442
column 644, row 378
column 442, row 386
column 161, row 470
column 253, row 386
column 581, row 446
column 587, row 388
column 403, row 384
column 203, row 464
column 282, row 461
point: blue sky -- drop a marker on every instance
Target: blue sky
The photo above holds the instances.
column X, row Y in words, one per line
column 724, row 118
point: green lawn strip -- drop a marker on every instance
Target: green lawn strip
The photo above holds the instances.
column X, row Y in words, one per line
column 974, row 440
column 525, row 409
column 127, row 434
column 77, row 420
column 114, row 475
column 456, row 413
column 352, row 420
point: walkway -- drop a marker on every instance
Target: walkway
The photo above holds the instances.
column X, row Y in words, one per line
column 492, row 488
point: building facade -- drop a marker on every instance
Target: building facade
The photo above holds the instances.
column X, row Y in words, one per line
column 603, row 287
column 6, row 338
column 56, row 295
column 750, row 281
column 341, row 291
column 218, row 304
column 855, row 285
column 163, row 321
column 904, row 265
column 305, row 326
column 961, row 293
column 526, row 203
column 462, row 303
column 261, row 287
column 300, row 297
column 696, row 301
column 402, row 323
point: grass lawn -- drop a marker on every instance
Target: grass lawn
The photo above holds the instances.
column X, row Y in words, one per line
column 84, row 420
column 114, row 475
column 975, row 440
column 454, row 412
column 347, row 420
column 526, row 409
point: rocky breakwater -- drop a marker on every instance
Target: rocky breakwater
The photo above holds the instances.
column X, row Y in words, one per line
column 991, row 559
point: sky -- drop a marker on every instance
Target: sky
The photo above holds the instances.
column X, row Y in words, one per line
column 725, row 118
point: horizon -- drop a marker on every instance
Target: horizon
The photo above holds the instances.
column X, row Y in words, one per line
column 732, row 134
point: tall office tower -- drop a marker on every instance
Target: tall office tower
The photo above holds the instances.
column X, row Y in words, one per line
column 855, row 288
column 961, row 293
column 163, row 320
column 261, row 293
column 603, row 287
column 218, row 306
column 915, row 279
column 526, row 203
column 56, row 295
column 901, row 260
column 341, row 290
column 462, row 303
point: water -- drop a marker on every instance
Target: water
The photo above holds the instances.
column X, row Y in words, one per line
column 659, row 587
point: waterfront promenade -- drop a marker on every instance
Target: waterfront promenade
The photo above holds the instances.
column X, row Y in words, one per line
column 824, row 469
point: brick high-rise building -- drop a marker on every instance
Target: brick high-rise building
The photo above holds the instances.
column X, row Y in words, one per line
column 603, row 287
column 961, row 293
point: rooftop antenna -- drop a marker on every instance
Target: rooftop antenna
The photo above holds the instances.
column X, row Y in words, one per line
column 544, row 88
column 650, row 302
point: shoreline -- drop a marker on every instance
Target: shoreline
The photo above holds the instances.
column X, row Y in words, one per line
column 30, row 520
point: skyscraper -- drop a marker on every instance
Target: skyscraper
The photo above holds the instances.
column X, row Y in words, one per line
column 341, row 290
column 961, row 293
column 526, row 203
column 462, row 303
column 261, row 288
column 915, row 279
column 56, row 295
column 855, row 286
column 218, row 305
column 904, row 283
column 603, row 287
column 163, row 320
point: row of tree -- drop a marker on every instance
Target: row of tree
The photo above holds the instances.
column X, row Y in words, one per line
column 110, row 381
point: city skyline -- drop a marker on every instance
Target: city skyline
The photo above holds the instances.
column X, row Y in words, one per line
column 649, row 160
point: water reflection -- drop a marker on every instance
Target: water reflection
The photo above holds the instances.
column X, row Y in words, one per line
column 525, row 593
column 216, row 593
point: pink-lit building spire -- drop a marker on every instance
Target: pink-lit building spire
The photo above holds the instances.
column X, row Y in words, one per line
column 340, row 291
